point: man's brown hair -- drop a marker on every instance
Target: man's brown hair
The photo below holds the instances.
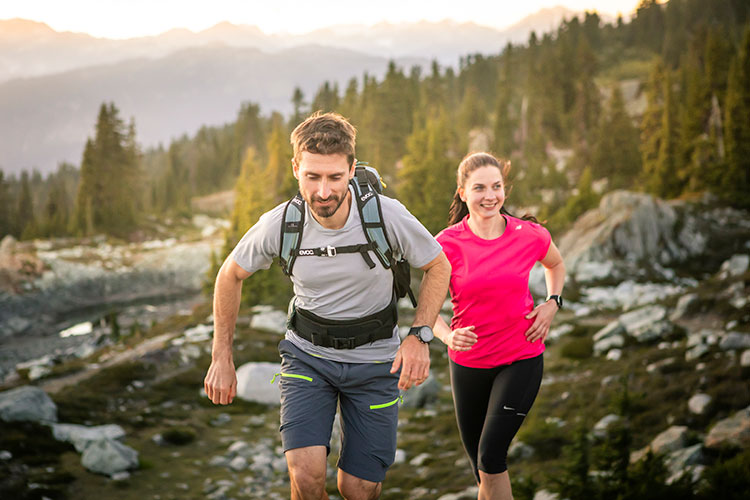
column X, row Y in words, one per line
column 324, row 134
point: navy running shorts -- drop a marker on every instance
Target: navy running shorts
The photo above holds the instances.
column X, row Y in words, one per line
column 367, row 393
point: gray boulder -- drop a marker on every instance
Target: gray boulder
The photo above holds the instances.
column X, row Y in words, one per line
column 519, row 450
column 421, row 395
column 683, row 461
column 672, row 439
column 608, row 343
column 696, row 352
column 647, row 323
column 27, row 404
column 733, row 431
column 268, row 318
column 109, row 457
column 82, row 436
column 254, row 383
column 612, row 329
column 745, row 359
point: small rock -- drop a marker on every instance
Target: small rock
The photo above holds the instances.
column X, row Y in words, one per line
column 470, row 492
column 82, row 436
column 218, row 461
column 109, row 457
column 120, row 476
column 602, row 426
column 672, row 439
column 420, row 459
column 5, row 455
column 660, row 365
column 614, row 328
column 614, row 354
column 745, row 358
column 734, row 266
column 684, row 306
column 519, row 450
column 221, row 419
column 735, row 341
column 238, row 464
column 545, row 495
column 696, row 352
column 607, row 343
column 423, row 394
column 267, row 318
column 699, row 403
column 400, row 456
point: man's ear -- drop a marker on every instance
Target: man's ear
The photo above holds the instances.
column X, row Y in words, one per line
column 295, row 169
column 351, row 170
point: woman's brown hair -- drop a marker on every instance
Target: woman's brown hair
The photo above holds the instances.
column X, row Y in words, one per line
column 470, row 163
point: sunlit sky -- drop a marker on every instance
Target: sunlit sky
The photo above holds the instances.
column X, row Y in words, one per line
column 132, row 18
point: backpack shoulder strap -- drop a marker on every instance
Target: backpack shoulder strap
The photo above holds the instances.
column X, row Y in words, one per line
column 371, row 217
column 291, row 233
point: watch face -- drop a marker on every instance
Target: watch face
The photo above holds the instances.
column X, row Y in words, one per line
column 425, row 334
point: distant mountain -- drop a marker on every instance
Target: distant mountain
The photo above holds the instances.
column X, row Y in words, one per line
column 29, row 48
column 52, row 83
column 47, row 119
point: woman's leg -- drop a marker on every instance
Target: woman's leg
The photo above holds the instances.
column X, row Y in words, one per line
column 513, row 392
column 471, row 389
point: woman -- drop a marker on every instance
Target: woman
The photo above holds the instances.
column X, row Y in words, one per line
column 496, row 337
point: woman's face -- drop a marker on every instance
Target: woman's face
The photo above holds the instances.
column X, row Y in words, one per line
column 484, row 192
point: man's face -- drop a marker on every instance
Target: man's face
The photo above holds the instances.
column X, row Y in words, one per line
column 323, row 181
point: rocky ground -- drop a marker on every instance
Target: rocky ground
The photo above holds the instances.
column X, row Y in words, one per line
column 666, row 331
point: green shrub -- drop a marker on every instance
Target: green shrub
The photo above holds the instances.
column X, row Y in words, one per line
column 577, row 348
column 179, row 435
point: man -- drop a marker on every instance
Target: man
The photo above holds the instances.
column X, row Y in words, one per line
column 336, row 292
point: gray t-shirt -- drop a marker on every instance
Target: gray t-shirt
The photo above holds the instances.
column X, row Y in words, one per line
column 340, row 287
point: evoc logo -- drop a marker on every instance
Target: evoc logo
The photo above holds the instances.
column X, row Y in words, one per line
column 307, row 252
column 297, row 201
column 366, row 196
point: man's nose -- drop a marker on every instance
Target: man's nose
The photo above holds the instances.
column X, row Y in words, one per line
column 324, row 190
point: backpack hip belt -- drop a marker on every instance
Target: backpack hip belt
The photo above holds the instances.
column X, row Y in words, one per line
column 344, row 334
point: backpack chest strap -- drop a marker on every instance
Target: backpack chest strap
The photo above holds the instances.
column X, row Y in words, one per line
column 331, row 251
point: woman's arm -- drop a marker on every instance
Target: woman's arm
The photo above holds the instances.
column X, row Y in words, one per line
column 460, row 339
column 554, row 276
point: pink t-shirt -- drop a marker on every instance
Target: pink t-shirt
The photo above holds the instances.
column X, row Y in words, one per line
column 490, row 290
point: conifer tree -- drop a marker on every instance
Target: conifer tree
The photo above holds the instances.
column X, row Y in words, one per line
column 25, row 222
column 651, row 122
column 427, row 179
column 6, row 216
column 279, row 176
column 615, row 154
column 298, row 101
column 665, row 180
column 109, row 174
column 735, row 185
column 506, row 121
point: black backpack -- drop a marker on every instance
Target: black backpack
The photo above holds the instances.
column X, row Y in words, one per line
column 368, row 186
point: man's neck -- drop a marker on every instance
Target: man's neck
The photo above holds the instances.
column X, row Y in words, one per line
column 339, row 218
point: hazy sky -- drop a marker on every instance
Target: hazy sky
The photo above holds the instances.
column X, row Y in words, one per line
column 130, row 18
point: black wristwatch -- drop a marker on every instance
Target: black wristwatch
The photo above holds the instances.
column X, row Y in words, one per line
column 423, row 333
column 558, row 300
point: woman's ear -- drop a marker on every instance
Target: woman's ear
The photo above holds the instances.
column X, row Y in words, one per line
column 462, row 194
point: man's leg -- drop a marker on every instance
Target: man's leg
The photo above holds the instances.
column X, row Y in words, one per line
column 369, row 400
column 307, row 472
column 354, row 488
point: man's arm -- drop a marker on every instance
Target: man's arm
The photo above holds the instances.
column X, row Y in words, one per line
column 221, row 380
column 413, row 356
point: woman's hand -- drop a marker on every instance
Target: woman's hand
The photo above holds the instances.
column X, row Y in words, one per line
column 543, row 315
column 461, row 339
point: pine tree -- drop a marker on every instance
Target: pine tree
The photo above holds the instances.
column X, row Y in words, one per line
column 735, row 186
column 615, row 154
column 427, row 180
column 278, row 172
column 665, row 179
column 298, row 101
column 506, row 121
column 25, row 222
column 6, row 215
column 107, row 193
column 651, row 123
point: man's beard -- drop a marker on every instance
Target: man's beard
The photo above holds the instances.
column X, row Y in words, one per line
column 327, row 211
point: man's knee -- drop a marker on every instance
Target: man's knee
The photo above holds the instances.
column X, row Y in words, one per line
column 307, row 471
column 354, row 488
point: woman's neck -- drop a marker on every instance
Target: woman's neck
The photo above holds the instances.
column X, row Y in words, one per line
column 487, row 228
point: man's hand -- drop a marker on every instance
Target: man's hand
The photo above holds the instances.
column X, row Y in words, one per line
column 415, row 358
column 221, row 382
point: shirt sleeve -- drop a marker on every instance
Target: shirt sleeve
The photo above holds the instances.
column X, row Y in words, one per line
column 408, row 237
column 544, row 239
column 260, row 244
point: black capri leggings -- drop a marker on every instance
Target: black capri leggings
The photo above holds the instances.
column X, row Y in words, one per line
column 491, row 404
